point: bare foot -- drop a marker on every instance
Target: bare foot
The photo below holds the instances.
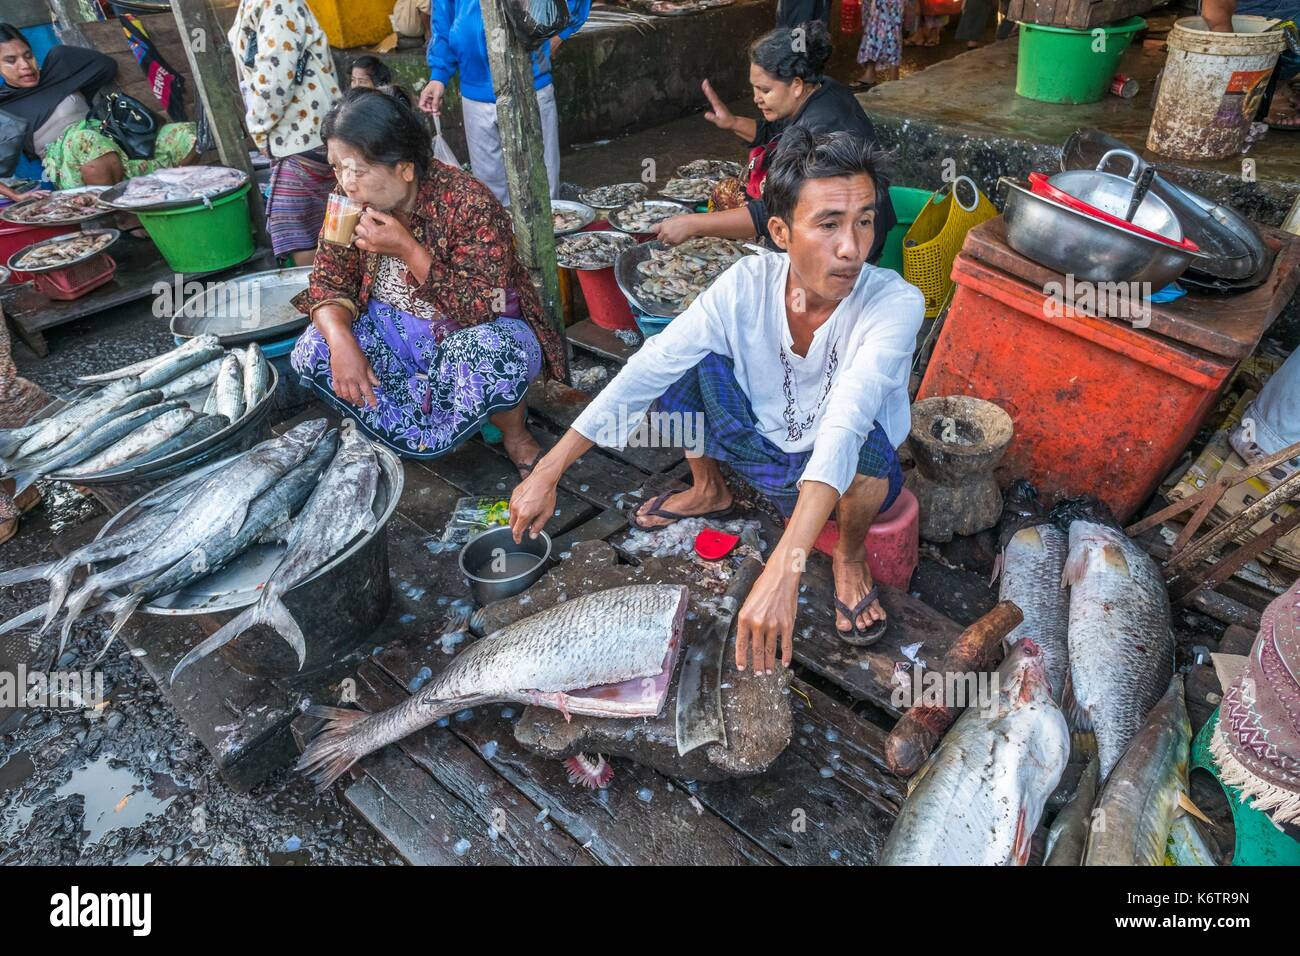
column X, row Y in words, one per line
column 852, row 582
column 8, row 529
column 696, row 500
column 523, row 451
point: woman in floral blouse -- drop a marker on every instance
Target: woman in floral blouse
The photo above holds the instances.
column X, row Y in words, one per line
column 427, row 325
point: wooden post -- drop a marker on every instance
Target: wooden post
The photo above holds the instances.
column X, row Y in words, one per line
column 70, row 14
column 520, row 123
column 207, row 50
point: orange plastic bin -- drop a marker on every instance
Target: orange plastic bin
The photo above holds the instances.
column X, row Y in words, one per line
column 1099, row 407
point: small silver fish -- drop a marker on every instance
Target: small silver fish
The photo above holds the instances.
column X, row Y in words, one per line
column 257, row 375
column 138, row 442
column 230, row 389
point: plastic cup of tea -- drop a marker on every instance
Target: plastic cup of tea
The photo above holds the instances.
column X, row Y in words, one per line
column 341, row 217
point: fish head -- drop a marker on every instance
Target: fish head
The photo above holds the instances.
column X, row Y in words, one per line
column 1023, row 677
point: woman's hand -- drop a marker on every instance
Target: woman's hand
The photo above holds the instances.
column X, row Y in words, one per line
column 354, row 379
column 379, row 232
column 532, row 504
column 718, row 114
column 677, row 229
column 766, row 619
column 431, row 96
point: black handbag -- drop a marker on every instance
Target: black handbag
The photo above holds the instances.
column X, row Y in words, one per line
column 127, row 122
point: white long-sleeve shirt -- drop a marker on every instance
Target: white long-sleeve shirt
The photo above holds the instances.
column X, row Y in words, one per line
column 856, row 370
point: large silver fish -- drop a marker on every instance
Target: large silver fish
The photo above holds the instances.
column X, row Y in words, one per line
column 229, row 389
column 68, row 419
column 620, row 636
column 149, row 435
column 192, row 380
column 337, row 511
column 979, row 798
column 199, row 343
column 1121, row 641
column 1032, row 563
column 1143, row 793
column 218, row 507
column 257, row 375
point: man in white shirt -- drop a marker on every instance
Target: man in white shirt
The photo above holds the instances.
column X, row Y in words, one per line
column 797, row 367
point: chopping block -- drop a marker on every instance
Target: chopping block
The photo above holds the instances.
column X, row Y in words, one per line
column 756, row 709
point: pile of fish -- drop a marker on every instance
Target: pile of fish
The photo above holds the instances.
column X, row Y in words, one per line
column 712, row 169
column 311, row 488
column 1096, row 615
column 605, row 654
column 68, row 205
column 54, row 253
column 564, row 221
column 688, row 189
column 179, row 184
column 675, row 276
column 591, row 250
column 644, row 216
column 612, row 197
column 138, row 414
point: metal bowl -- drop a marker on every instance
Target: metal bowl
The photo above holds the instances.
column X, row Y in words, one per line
column 677, row 209
column 623, row 237
column 585, row 197
column 1073, row 243
column 271, row 315
column 495, row 543
column 37, row 270
column 111, row 197
column 1111, row 193
column 245, row 427
column 581, row 209
column 9, row 212
column 240, row 583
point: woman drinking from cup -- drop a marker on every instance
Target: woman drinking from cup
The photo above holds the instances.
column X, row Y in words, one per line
column 425, row 324
column 785, row 71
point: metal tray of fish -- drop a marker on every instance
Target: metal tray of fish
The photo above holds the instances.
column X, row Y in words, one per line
column 714, row 169
column 696, row 190
column 632, row 279
column 240, row 583
column 568, row 216
column 250, row 419
column 113, row 196
column 93, row 249
column 27, row 212
column 591, row 251
column 641, row 217
column 220, row 309
column 616, row 196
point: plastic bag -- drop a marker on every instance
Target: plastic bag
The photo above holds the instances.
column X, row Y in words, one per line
column 441, row 149
column 536, row 21
column 474, row 514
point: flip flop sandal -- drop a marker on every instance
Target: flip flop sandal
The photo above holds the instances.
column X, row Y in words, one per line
column 656, row 511
column 527, row 469
column 861, row 637
column 25, row 502
column 8, row 529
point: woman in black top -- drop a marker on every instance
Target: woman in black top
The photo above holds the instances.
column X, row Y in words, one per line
column 785, row 71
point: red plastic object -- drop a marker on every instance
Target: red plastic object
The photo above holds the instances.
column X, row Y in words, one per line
column 850, row 16
column 606, row 302
column 1039, row 184
column 76, row 280
column 941, row 8
column 1099, row 407
column 893, row 542
column 714, row 545
column 14, row 237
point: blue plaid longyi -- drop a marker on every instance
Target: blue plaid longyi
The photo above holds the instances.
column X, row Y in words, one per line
column 731, row 435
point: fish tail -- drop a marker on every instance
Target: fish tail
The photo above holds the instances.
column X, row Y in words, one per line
column 227, row 633
column 272, row 612
column 29, row 616
column 29, row 573
column 76, row 605
column 10, row 441
column 121, row 609
column 336, row 748
column 24, row 478
column 60, row 581
column 1076, row 565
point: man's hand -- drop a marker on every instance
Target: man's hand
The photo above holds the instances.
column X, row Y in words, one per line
column 532, row 504
column 379, row 232
column 675, row 230
column 555, row 44
column 766, row 618
column 431, row 96
column 718, row 114
column 354, row 379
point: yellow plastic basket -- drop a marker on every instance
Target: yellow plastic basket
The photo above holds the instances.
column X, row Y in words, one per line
column 933, row 241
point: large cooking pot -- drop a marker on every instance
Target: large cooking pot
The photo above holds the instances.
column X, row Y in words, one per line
column 1112, row 193
column 1073, row 243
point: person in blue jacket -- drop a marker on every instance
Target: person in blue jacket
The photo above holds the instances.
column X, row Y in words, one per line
column 459, row 46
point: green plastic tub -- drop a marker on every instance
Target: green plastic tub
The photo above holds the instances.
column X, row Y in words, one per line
column 1060, row 65
column 203, row 238
column 908, row 203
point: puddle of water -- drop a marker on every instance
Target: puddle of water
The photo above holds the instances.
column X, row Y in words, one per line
column 115, row 798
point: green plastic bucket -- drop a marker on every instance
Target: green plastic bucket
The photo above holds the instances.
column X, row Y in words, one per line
column 202, row 238
column 1060, row 65
column 908, row 203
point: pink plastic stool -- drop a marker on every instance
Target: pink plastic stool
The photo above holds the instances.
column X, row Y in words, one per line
column 892, row 542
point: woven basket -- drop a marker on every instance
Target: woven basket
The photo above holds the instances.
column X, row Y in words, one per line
column 933, row 241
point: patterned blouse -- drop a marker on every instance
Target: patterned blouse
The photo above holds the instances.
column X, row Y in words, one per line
column 474, row 271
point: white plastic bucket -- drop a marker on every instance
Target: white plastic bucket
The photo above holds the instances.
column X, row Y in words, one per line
column 1212, row 86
